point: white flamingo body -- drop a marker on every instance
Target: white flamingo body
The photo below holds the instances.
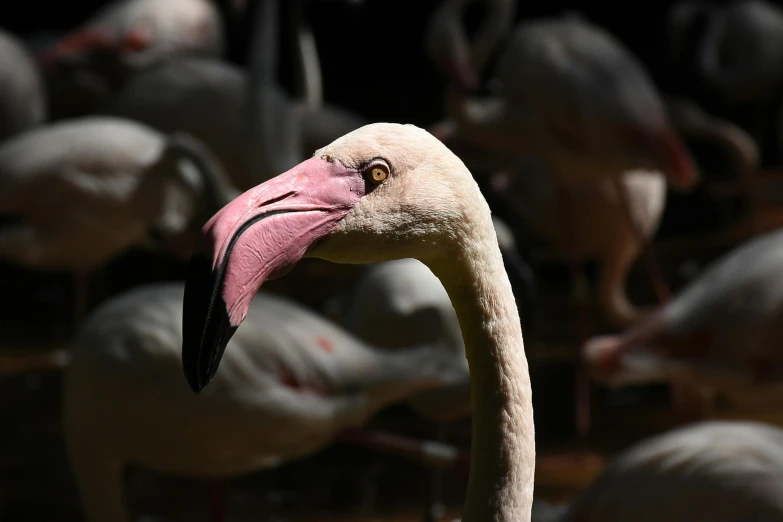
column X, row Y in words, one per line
column 713, row 472
column 399, row 304
column 589, row 222
column 170, row 27
column 79, row 192
column 582, row 84
column 723, row 330
column 292, row 383
column 22, row 96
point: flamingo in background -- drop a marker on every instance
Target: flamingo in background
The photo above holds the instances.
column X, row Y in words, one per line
column 572, row 96
column 75, row 194
column 726, row 322
column 124, row 38
column 712, row 471
column 597, row 225
column 598, row 119
column 291, row 383
column 399, row 304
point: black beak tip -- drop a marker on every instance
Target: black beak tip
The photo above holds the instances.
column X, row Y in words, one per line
column 206, row 328
column 195, row 383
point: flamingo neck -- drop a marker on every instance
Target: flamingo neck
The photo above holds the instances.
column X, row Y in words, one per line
column 500, row 487
column 309, row 80
column 498, row 21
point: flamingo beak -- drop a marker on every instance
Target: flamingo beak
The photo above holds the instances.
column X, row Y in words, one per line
column 257, row 237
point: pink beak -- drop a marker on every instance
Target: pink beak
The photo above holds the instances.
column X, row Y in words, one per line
column 257, row 237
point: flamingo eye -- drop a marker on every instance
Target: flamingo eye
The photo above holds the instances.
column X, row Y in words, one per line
column 377, row 172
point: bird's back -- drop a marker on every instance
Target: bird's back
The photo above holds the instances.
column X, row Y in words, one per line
column 711, row 472
column 175, row 25
column 100, row 146
column 737, row 288
column 572, row 56
column 140, row 333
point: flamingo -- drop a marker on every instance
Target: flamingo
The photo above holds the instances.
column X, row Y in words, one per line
column 725, row 321
column 22, row 97
column 731, row 52
column 125, row 37
column 399, row 304
column 382, row 192
column 710, row 471
column 75, row 194
column 598, row 228
column 292, row 383
column 572, row 96
column 597, row 225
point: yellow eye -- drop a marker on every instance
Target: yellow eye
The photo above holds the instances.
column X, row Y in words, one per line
column 377, row 173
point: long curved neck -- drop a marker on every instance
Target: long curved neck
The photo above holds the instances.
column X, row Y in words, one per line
column 497, row 23
column 503, row 457
column 217, row 191
column 692, row 122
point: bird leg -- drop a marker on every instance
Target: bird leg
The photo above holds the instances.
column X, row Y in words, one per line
column 436, row 508
column 581, row 309
column 581, row 377
column 654, row 270
column 429, row 452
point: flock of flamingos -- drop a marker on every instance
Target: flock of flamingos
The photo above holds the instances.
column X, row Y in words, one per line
column 131, row 131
